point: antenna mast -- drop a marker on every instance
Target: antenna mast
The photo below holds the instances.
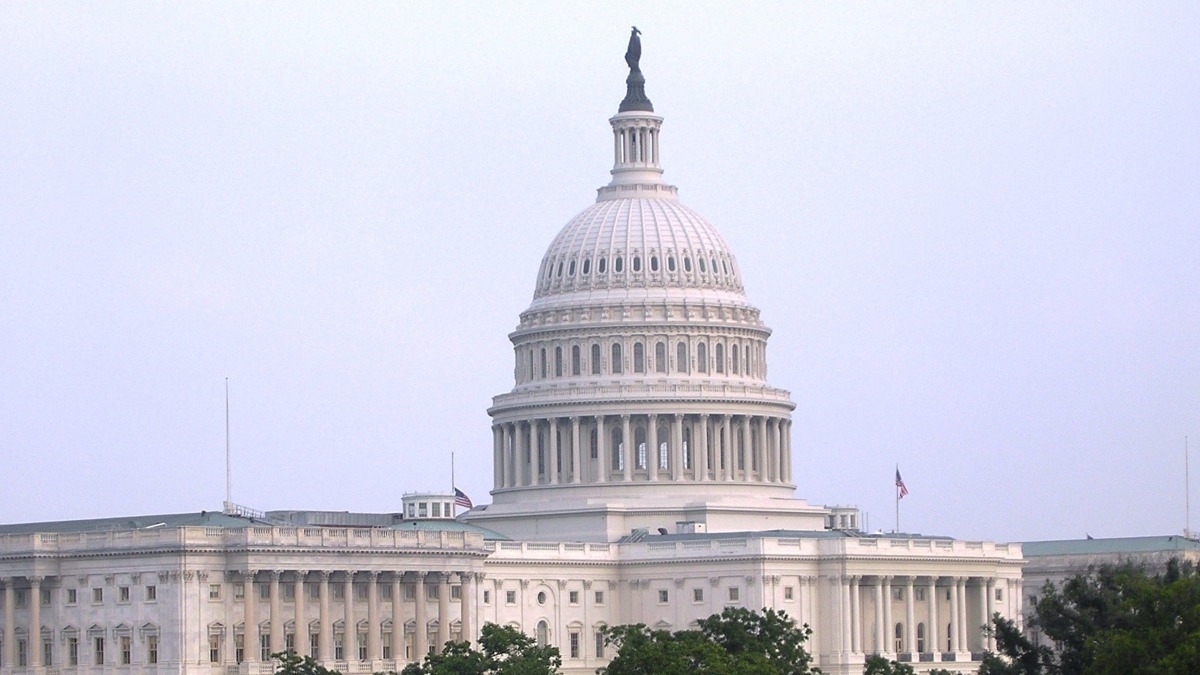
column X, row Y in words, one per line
column 229, row 507
column 1187, row 493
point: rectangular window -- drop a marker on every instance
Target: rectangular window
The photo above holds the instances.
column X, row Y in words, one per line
column 999, row 595
column 410, row 591
column 897, row 593
column 22, row 657
column 97, row 596
column 314, row 642
column 19, row 598
column 289, row 591
column 72, row 651
column 47, row 653
column 574, row 637
column 510, row 597
column 339, row 591
column 239, row 648
column 314, row 591
column 72, row 596
column 214, row 648
column 487, row 597
column 735, row 593
column 151, row 593
column 386, row 645
column 362, row 646
column 360, row 591
column 919, row 594
column 214, row 591
column 122, row 594
column 663, row 596
column 264, row 591
column 339, row 648
column 44, row 596
column 573, row 597
column 456, row 592
column 385, row 591
column 431, row 591
column 436, row 510
column 264, row 647
column 697, row 595
column 289, row 642
column 126, row 650
column 152, row 649
column 599, row 644
column 788, row 593
column 600, row 598
column 422, row 510
column 98, row 651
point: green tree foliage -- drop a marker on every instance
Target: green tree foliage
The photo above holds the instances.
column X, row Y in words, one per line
column 735, row 642
column 878, row 665
column 1114, row 620
column 503, row 650
column 291, row 663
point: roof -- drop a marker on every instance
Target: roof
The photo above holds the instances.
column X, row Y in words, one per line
column 1153, row 544
column 435, row 525
column 198, row 519
column 763, row 534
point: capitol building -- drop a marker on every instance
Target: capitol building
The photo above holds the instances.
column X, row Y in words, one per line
column 642, row 474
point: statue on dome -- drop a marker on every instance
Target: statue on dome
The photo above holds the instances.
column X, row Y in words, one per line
column 634, row 53
column 635, row 84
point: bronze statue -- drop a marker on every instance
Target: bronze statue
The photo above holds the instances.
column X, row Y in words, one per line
column 634, row 53
column 635, row 84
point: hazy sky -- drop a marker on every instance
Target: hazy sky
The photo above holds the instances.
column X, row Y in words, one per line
column 973, row 227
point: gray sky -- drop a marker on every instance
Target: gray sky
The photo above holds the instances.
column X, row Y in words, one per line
column 973, row 227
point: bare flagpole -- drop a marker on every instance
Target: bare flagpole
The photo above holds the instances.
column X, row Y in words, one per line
column 228, row 463
column 452, row 485
column 1187, row 493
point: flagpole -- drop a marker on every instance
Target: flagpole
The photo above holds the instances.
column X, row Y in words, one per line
column 896, row 489
column 452, row 485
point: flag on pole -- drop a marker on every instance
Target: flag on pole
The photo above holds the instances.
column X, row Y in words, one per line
column 461, row 499
column 900, row 487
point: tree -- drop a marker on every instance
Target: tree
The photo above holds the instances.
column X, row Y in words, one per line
column 878, row 665
column 503, row 650
column 735, row 642
column 291, row 663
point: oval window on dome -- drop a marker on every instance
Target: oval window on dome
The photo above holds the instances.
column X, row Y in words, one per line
column 549, row 268
column 703, row 267
column 602, row 265
column 637, row 263
column 618, row 264
column 724, row 268
column 687, row 264
column 671, row 264
column 571, row 269
column 587, row 266
column 715, row 269
column 559, row 272
column 653, row 263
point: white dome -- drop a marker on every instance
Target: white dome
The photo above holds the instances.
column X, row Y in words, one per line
column 647, row 247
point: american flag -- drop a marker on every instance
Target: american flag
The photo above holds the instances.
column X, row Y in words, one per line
column 902, row 490
column 461, row 499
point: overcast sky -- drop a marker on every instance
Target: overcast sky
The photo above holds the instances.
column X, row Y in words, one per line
column 973, row 227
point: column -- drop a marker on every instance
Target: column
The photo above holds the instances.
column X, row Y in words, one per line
column 33, row 644
column 990, row 590
column 350, row 633
column 701, row 454
column 627, row 448
column 778, row 449
column 10, row 625
column 910, row 620
column 466, row 597
column 677, row 447
column 844, row 601
column 325, row 634
column 726, row 471
column 764, row 461
column 576, row 456
column 443, row 596
column 880, row 631
column 535, row 456
column 278, row 644
column 747, row 450
column 787, row 451
column 374, row 653
column 954, row 626
column 552, row 430
column 935, row 631
column 888, row 625
column 497, row 456
column 652, row 450
column 856, row 622
column 250, row 643
column 603, row 461
column 984, row 605
column 421, row 639
column 301, row 640
column 397, row 619
column 964, row 640
column 520, row 468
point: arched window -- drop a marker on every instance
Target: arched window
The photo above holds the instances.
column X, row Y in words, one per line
column 653, row 263
column 702, row 357
column 687, row 448
column 558, row 362
column 746, row 358
column 921, row 638
column 576, row 358
column 617, row 438
column 663, row 451
column 715, row 269
column 639, row 357
column 899, row 637
column 637, row 263
column 543, row 363
column 687, row 264
column 602, row 265
column 720, row 358
column 681, row 357
column 671, row 263
column 595, row 446
column 559, row 272
column 616, row 358
column 660, row 357
column 571, row 269
column 733, row 353
column 587, row 266
column 543, row 633
column 595, row 359
column 618, row 264
column 703, row 267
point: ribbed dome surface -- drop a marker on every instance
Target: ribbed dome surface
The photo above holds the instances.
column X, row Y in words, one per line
column 637, row 243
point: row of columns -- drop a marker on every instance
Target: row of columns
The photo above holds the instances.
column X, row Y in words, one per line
column 636, row 145
column 764, row 442
column 966, row 632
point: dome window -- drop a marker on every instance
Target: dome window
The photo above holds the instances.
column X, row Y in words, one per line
column 602, row 265
column 637, row 263
column 653, row 263
column 587, row 266
column 595, row 359
column 639, row 358
column 619, row 265
column 671, row 264
column 687, row 264
column 660, row 358
column 715, row 269
column 571, row 269
column 702, row 265
column 616, row 358
column 724, row 268
column 559, row 272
